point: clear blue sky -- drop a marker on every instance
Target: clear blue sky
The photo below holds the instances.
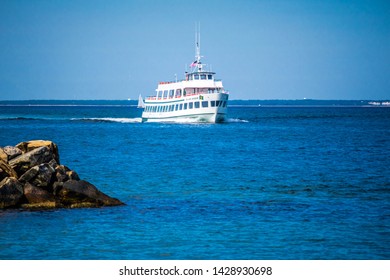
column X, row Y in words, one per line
column 261, row 49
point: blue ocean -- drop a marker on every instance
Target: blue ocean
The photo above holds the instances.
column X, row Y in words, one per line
column 273, row 182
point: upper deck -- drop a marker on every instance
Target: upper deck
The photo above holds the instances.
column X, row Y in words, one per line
column 198, row 80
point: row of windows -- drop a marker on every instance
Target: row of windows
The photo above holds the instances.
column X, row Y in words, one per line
column 200, row 77
column 184, row 106
column 172, row 93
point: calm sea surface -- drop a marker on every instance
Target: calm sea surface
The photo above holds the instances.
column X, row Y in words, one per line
column 271, row 183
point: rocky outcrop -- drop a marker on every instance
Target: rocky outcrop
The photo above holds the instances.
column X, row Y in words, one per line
column 31, row 176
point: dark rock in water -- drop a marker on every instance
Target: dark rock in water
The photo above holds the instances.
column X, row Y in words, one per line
column 11, row 192
column 32, row 177
column 75, row 192
column 37, row 196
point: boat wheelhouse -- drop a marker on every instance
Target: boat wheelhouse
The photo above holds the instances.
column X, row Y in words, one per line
column 200, row 97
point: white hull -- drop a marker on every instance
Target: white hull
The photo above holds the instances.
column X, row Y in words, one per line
column 209, row 108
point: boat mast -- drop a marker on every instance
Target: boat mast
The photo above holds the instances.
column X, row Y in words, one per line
column 197, row 46
column 197, row 64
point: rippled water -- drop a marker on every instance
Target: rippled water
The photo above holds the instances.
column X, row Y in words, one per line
column 271, row 183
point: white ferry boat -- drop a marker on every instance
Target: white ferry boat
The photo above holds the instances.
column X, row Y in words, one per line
column 200, row 97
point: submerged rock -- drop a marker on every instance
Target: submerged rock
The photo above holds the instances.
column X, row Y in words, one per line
column 31, row 177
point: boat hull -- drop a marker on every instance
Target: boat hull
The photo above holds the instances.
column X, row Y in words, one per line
column 208, row 108
column 197, row 118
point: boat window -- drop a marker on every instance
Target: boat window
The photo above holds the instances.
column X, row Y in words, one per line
column 165, row 94
column 185, row 106
column 217, row 103
column 177, row 107
column 171, row 107
column 203, row 77
column 171, row 93
column 205, row 104
column 181, row 106
column 196, row 76
column 212, row 103
column 190, row 105
column 210, row 77
column 197, row 104
column 159, row 94
column 224, row 104
column 178, row 93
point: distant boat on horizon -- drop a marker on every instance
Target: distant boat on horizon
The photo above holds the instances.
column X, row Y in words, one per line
column 200, row 97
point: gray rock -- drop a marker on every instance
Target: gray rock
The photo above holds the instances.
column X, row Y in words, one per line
column 34, row 144
column 41, row 176
column 11, row 193
column 12, row 152
column 29, row 175
column 30, row 159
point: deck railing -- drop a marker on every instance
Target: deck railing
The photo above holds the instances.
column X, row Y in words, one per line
column 186, row 95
